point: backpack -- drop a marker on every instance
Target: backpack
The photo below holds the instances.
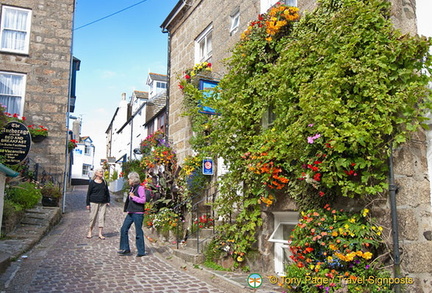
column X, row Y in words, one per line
column 148, row 195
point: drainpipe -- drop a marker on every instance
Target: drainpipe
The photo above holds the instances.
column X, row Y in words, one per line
column 394, row 219
column 167, row 102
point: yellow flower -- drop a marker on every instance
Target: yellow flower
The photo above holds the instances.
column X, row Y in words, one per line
column 333, row 247
column 352, row 220
column 364, row 212
column 367, row 255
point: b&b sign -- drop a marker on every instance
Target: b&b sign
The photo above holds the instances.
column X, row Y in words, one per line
column 15, row 142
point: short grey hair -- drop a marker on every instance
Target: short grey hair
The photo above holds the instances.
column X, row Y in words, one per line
column 97, row 170
column 134, row 176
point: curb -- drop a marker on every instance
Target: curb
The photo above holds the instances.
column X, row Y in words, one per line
column 36, row 223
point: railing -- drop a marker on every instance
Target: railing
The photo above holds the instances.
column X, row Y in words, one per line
column 34, row 171
column 194, row 210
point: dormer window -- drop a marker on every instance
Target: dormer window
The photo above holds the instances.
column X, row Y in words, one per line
column 161, row 85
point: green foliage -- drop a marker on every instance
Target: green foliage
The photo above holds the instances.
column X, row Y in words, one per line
column 114, row 175
column 50, row 190
column 311, row 111
column 334, row 249
column 24, row 194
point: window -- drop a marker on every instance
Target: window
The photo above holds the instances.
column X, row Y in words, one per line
column 235, row 21
column 15, row 29
column 284, row 223
column 161, row 85
column 87, row 150
column 12, row 87
column 86, row 170
column 203, row 46
column 266, row 4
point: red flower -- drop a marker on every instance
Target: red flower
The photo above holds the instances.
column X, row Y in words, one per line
column 209, row 65
column 187, row 76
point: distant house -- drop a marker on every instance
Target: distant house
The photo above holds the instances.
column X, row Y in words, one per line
column 36, row 69
column 134, row 119
column 83, row 161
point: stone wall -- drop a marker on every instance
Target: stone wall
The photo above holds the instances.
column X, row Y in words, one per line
column 192, row 20
column 47, row 67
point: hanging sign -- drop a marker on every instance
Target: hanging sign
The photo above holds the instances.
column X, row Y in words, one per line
column 15, row 142
column 207, row 166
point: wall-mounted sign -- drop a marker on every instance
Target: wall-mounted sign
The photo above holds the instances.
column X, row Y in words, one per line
column 207, row 86
column 207, row 166
column 15, row 142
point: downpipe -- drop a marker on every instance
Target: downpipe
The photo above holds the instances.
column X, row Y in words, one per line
column 394, row 222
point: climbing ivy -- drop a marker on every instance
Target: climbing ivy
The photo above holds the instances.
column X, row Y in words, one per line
column 309, row 108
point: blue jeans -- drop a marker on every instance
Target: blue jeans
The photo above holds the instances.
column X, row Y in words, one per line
column 137, row 219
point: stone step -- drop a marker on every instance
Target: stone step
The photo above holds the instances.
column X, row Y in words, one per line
column 192, row 242
column 204, row 233
column 189, row 255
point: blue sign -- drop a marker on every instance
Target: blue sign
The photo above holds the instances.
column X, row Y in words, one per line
column 207, row 166
column 207, row 85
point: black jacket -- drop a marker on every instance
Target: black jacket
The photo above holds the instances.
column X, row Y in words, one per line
column 132, row 206
column 97, row 193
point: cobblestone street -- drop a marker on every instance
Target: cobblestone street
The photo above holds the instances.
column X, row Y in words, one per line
column 66, row 261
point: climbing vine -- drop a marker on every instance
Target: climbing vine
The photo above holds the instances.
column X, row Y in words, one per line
column 309, row 108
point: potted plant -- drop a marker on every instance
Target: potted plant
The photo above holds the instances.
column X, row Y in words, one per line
column 72, row 144
column 37, row 132
column 50, row 195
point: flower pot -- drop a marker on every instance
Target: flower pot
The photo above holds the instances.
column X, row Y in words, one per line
column 48, row 201
column 38, row 138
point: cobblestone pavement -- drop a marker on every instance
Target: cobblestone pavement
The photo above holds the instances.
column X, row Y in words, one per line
column 66, row 261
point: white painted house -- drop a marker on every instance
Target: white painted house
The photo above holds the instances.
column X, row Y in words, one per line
column 134, row 119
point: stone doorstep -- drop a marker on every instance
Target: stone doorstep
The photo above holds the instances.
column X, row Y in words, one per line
column 190, row 255
column 192, row 243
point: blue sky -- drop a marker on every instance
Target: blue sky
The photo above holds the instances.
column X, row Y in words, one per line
column 116, row 54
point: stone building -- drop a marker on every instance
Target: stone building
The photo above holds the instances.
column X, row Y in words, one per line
column 205, row 31
column 35, row 72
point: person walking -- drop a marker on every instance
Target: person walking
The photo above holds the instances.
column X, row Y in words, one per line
column 98, row 198
column 134, row 207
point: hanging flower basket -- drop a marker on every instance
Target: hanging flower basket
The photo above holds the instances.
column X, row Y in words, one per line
column 38, row 138
column 72, row 144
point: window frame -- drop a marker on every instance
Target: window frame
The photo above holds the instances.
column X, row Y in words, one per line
column 202, row 52
column 235, row 21
column 27, row 30
column 266, row 4
column 22, row 88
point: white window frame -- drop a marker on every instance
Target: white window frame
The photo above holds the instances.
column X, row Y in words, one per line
column 266, row 4
column 235, row 21
column 26, row 30
column 18, row 92
column 161, row 85
column 87, row 150
column 204, row 45
column 281, row 245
